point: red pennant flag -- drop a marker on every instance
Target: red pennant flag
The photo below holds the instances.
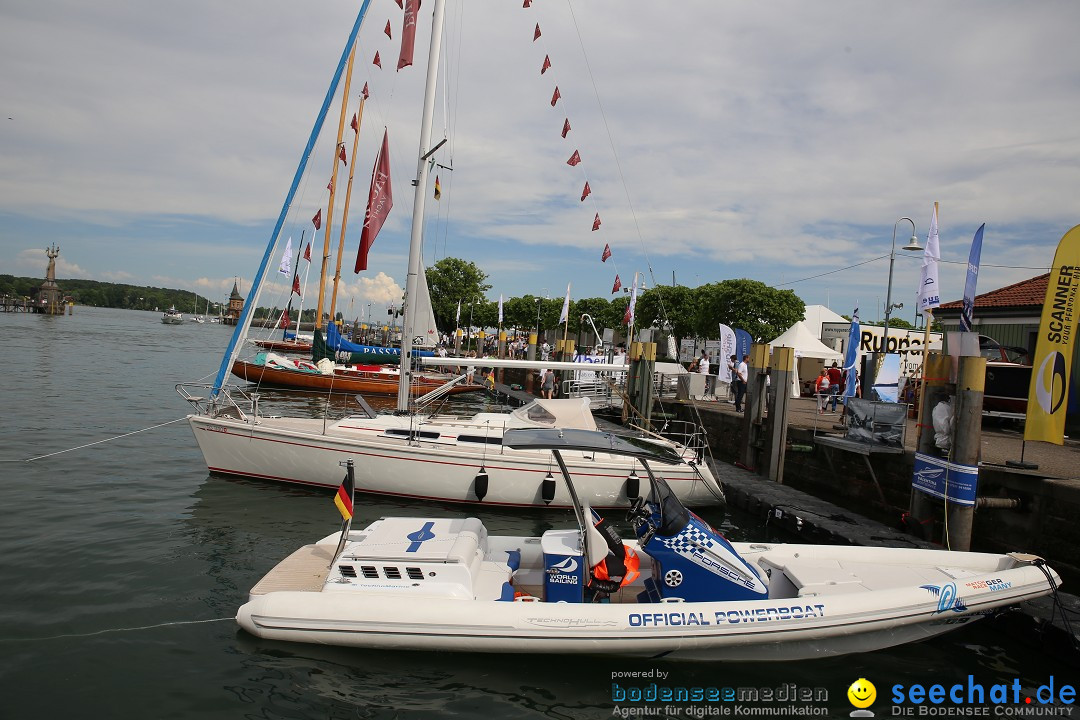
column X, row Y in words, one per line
column 586, row 191
column 547, row 65
column 536, row 33
column 284, row 322
column 399, row 4
column 307, row 252
column 380, row 200
column 607, row 248
column 377, row 61
column 574, row 159
column 527, row 4
column 616, row 286
column 565, row 127
column 364, row 92
column 296, row 283
column 408, row 34
column 596, row 226
column 317, row 220
column 555, row 97
column 387, row 30
column 330, row 185
column 355, row 127
column 341, row 153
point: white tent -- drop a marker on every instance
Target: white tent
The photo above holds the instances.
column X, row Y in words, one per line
column 810, row 354
column 815, row 315
column 798, row 336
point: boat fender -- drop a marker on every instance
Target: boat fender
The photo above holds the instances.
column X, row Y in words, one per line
column 547, row 489
column 633, row 485
column 480, row 483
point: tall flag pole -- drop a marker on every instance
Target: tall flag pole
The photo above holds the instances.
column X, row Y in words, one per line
column 1049, row 393
column 967, row 312
column 929, row 296
column 343, row 499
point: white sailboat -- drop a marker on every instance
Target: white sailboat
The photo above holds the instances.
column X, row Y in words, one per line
column 414, row 455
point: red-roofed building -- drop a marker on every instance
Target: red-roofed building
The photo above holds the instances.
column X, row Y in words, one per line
column 1009, row 315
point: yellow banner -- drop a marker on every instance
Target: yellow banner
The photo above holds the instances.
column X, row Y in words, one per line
column 1048, row 398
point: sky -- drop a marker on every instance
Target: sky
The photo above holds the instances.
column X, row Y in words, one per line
column 783, row 142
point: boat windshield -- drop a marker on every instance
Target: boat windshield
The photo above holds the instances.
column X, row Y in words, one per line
column 673, row 514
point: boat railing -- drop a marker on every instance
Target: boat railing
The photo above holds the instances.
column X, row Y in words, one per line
column 689, row 434
column 204, row 402
column 598, row 391
column 440, row 391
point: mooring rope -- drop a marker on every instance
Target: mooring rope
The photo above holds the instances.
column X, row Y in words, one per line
column 98, row 442
column 114, row 630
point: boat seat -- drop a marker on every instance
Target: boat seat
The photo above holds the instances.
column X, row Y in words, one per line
column 596, row 547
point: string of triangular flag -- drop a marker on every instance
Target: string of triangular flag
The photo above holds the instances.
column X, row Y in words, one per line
column 575, row 159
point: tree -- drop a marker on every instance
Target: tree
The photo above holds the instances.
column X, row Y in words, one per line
column 753, row 306
column 451, row 280
column 670, row 308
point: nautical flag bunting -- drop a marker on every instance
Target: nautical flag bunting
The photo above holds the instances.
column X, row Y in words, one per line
column 596, row 222
column 574, row 159
column 607, row 248
column 555, row 96
column 617, row 286
column 547, row 64
column 586, row 191
column 536, row 33
column 380, row 200
column 378, row 60
column 317, row 220
column 565, row 127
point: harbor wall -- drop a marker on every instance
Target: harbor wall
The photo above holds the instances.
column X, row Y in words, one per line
column 1047, row 522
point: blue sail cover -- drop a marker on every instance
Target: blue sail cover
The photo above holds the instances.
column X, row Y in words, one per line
column 335, row 342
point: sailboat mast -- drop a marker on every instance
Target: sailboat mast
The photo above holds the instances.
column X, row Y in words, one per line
column 419, row 199
column 345, row 212
column 338, row 149
column 240, row 333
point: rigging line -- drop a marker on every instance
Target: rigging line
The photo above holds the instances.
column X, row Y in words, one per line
column 113, row 630
column 98, row 442
column 614, row 152
column 981, row 265
column 830, row 272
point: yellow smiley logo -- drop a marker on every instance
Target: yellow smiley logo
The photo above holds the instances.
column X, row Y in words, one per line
column 862, row 693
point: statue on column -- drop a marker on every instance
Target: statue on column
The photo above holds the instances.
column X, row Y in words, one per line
column 53, row 252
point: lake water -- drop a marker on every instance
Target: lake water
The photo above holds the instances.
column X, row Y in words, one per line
column 123, row 564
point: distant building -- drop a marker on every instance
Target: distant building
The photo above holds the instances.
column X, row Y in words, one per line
column 1011, row 316
column 236, row 305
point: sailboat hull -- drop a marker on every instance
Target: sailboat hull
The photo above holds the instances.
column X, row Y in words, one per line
column 443, row 468
column 372, row 382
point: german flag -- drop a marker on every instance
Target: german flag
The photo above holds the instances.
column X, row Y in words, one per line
column 438, row 188
column 344, row 497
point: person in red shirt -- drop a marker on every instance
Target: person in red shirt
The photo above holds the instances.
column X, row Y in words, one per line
column 836, row 377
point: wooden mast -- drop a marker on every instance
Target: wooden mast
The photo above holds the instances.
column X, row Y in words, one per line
column 338, row 148
column 345, row 212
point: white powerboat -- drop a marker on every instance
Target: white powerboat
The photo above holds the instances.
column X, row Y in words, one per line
column 172, row 316
column 678, row 590
column 433, row 457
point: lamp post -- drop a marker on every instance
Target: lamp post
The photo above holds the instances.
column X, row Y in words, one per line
column 913, row 246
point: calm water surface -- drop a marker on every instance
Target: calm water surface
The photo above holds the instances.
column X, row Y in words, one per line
column 124, row 562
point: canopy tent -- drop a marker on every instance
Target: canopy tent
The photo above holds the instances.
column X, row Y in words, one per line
column 815, row 315
column 798, row 336
column 810, row 354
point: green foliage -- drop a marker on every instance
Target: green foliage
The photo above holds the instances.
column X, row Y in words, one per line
column 451, row 280
column 111, row 295
column 670, row 309
column 753, row 306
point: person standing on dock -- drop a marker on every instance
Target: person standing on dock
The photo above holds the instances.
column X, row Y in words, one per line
column 835, row 377
column 821, row 390
column 742, row 373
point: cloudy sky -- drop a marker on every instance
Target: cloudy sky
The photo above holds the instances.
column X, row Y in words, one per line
column 779, row 141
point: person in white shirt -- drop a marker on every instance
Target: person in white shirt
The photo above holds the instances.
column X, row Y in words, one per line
column 703, row 368
column 740, row 386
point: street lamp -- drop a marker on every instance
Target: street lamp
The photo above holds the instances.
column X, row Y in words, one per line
column 912, row 246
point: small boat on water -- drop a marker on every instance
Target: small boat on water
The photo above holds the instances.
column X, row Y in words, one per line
column 679, row 590
column 290, row 345
column 172, row 316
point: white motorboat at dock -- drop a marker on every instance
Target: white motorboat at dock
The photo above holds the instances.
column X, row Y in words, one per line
column 679, row 590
